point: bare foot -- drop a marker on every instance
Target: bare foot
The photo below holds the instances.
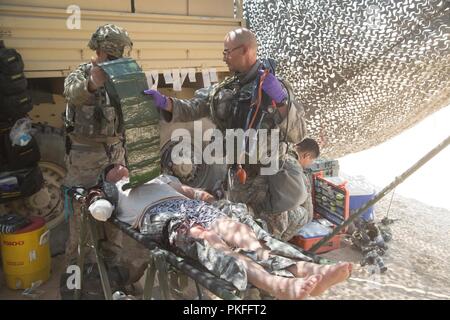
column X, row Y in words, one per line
column 296, row 288
column 332, row 275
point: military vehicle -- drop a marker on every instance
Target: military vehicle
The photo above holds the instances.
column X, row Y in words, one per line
column 52, row 38
column 364, row 70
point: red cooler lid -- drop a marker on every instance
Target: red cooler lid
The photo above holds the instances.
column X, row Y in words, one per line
column 36, row 223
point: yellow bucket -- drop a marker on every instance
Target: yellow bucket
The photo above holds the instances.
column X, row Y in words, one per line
column 26, row 255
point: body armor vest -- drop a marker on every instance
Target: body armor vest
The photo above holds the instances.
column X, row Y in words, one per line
column 95, row 121
column 230, row 106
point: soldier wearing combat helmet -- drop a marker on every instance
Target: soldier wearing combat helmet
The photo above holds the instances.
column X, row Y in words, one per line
column 112, row 40
column 93, row 138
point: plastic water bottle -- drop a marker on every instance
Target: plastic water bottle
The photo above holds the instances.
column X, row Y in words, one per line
column 24, row 139
column 20, row 134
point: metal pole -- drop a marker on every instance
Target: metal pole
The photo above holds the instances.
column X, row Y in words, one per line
column 384, row 192
column 104, row 278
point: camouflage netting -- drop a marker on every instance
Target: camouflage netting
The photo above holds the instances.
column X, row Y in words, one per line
column 365, row 70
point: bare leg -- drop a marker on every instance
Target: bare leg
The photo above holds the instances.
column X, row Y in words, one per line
column 279, row 287
column 332, row 274
column 239, row 235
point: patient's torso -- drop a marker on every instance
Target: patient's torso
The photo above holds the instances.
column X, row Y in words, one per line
column 133, row 202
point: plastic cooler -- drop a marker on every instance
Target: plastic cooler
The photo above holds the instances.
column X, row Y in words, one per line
column 360, row 194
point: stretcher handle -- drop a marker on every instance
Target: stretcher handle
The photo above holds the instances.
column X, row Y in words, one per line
column 77, row 193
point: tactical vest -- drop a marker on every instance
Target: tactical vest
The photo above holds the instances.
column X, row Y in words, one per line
column 230, row 108
column 96, row 121
column 230, row 105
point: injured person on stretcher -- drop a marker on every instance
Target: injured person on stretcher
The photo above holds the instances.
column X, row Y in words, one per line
column 221, row 235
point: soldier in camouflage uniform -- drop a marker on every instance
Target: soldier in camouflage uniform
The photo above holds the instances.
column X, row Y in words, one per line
column 287, row 224
column 229, row 104
column 92, row 137
column 221, row 236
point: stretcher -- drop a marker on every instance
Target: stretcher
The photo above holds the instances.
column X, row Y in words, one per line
column 140, row 123
column 161, row 261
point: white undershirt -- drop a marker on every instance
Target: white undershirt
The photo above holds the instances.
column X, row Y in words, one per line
column 133, row 202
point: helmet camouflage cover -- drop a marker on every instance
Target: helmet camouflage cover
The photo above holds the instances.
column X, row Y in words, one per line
column 111, row 39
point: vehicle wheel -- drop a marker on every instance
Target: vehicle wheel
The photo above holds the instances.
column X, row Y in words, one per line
column 195, row 175
column 201, row 175
column 48, row 202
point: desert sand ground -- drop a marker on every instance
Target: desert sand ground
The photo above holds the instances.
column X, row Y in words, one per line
column 417, row 259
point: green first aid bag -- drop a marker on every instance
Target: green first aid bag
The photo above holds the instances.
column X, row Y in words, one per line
column 139, row 118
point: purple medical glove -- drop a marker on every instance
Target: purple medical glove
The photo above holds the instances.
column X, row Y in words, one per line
column 160, row 99
column 273, row 87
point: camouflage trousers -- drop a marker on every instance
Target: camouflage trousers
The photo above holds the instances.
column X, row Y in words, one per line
column 84, row 165
column 255, row 194
column 285, row 225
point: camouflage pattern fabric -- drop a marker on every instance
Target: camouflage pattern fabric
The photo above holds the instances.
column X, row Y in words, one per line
column 76, row 85
column 169, row 227
column 216, row 261
column 219, row 263
column 118, row 250
column 226, row 104
column 217, row 102
column 85, row 163
column 91, row 153
column 283, row 201
column 282, row 254
column 89, row 117
column 241, row 213
column 139, row 118
column 285, row 225
column 111, row 39
column 364, row 70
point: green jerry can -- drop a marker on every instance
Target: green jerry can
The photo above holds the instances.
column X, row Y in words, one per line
column 139, row 118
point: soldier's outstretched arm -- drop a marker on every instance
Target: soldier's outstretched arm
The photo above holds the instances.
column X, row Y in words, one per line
column 76, row 86
column 182, row 110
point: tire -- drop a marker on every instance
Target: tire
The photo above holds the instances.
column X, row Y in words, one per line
column 15, row 106
column 12, row 84
column 52, row 147
column 196, row 175
column 10, row 61
column 199, row 176
column 48, row 202
column 51, row 144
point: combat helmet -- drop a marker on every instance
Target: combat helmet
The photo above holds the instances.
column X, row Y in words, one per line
column 111, row 39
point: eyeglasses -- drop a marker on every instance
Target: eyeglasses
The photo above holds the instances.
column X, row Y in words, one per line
column 227, row 52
